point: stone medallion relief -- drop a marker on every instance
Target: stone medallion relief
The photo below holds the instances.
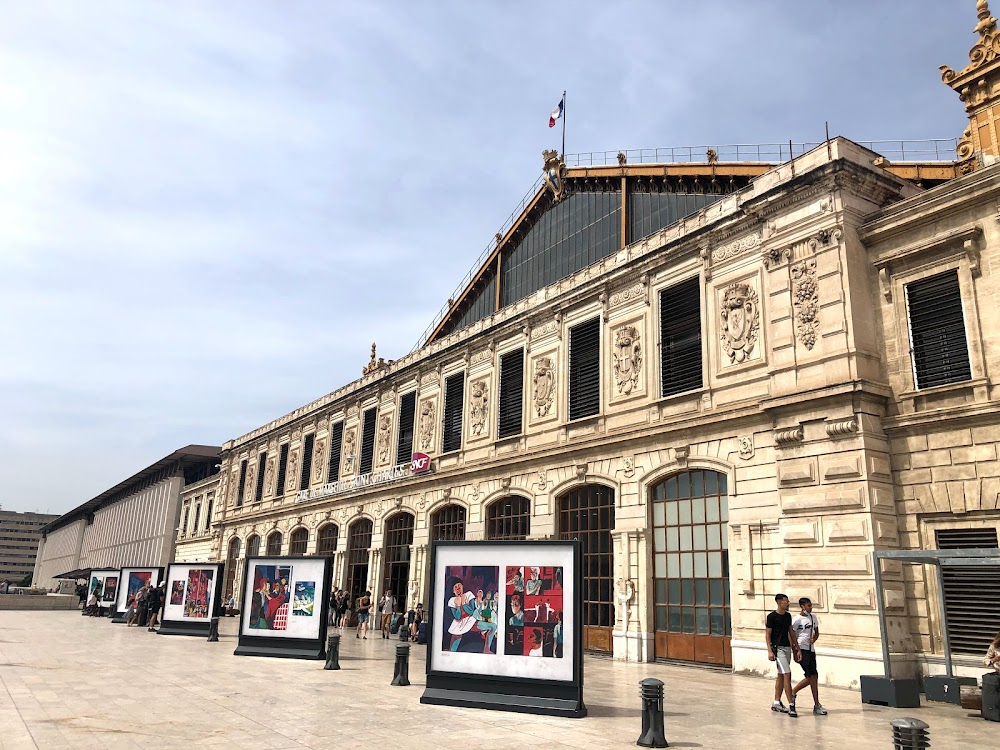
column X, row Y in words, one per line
column 628, row 359
column 543, row 382
column 739, row 322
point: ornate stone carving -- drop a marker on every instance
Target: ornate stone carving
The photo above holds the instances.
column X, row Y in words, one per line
column 350, row 446
column 624, row 591
column 805, row 296
column 736, row 248
column 544, row 329
column 251, row 485
column 628, row 359
column 318, row 456
column 293, row 465
column 269, row 477
column 628, row 464
column 681, row 453
column 485, row 355
column 478, row 406
column 622, row 296
column 474, row 494
column 746, row 446
column 788, row 436
column 544, row 382
column 740, row 321
column 841, row 427
column 775, row 256
column 984, row 51
column 426, row 424
column 543, row 481
column 553, row 171
column 382, row 439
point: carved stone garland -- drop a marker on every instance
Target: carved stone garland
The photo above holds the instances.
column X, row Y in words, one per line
column 740, row 316
column 478, row 405
column 628, row 359
column 805, row 294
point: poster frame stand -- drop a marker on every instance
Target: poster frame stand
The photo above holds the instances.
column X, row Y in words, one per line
column 118, row 615
column 502, row 693
column 187, row 627
column 287, row 648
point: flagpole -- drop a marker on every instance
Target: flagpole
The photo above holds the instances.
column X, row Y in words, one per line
column 564, row 128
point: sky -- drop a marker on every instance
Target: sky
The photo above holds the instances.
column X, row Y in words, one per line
column 209, row 210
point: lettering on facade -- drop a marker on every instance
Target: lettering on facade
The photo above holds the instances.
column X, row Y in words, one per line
column 419, row 464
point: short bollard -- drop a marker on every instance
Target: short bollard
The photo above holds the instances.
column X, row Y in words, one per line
column 213, row 630
column 401, row 675
column 652, row 735
column 333, row 651
column 910, row 734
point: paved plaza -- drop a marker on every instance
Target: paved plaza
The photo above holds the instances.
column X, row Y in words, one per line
column 68, row 681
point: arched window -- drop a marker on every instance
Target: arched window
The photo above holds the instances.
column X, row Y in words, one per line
column 509, row 518
column 448, row 524
column 359, row 540
column 274, row 544
column 691, row 567
column 398, row 538
column 326, row 540
column 298, row 541
column 253, row 546
column 588, row 513
column 231, row 558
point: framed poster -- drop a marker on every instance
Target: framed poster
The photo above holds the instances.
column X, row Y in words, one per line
column 129, row 582
column 193, row 598
column 284, row 607
column 506, row 627
column 105, row 584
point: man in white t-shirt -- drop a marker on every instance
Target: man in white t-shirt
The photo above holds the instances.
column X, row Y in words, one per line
column 805, row 625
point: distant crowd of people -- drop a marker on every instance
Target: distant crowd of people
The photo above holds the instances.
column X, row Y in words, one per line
column 345, row 608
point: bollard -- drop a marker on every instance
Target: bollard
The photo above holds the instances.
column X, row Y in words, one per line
column 910, row 734
column 213, row 630
column 652, row 735
column 401, row 675
column 333, row 651
column 404, row 632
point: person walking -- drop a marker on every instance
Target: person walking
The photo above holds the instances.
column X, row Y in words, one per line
column 81, row 591
column 387, row 605
column 154, row 599
column 415, row 617
column 364, row 604
column 143, row 604
column 781, row 646
column 806, row 628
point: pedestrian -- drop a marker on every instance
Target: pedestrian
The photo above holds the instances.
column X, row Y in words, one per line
column 992, row 659
column 154, row 600
column 81, row 591
column 345, row 610
column 364, row 604
column 414, row 618
column 387, row 605
column 143, row 605
column 806, row 627
column 92, row 604
column 131, row 614
column 781, row 646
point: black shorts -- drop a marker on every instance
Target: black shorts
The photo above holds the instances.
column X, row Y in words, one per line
column 808, row 663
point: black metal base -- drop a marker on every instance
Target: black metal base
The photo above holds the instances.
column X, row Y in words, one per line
column 897, row 692
column 505, row 695
column 282, row 648
column 118, row 617
column 173, row 627
column 946, row 689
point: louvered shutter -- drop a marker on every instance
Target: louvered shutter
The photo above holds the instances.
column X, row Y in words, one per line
column 971, row 594
column 454, row 395
column 240, row 491
column 511, row 411
column 307, row 460
column 404, row 440
column 261, row 467
column 367, row 441
column 937, row 331
column 680, row 338
column 585, row 369
column 336, row 443
column 279, row 488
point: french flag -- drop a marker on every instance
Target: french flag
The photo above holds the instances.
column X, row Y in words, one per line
column 557, row 113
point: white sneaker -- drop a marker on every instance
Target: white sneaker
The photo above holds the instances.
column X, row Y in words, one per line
column 819, row 710
column 779, row 707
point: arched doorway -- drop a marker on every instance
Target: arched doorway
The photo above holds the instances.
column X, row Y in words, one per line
column 253, row 546
column 326, row 539
column 448, row 524
column 274, row 544
column 231, row 558
column 398, row 538
column 359, row 540
column 298, row 542
column 587, row 513
column 509, row 518
column 691, row 613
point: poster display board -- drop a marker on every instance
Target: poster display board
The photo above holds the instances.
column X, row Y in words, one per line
column 129, row 582
column 284, row 607
column 506, row 627
column 193, row 598
column 105, row 583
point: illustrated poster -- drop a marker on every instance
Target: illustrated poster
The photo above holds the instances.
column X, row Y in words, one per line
column 280, row 598
column 191, row 589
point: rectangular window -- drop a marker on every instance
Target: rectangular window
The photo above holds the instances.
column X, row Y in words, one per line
column 184, row 526
column 585, row 369
column 197, row 518
column 454, row 397
column 404, row 440
column 261, row 470
column 279, row 487
column 937, row 331
column 680, row 338
column 208, row 513
column 336, row 443
column 511, row 412
column 367, row 441
column 307, row 460
column 241, row 490
column 971, row 593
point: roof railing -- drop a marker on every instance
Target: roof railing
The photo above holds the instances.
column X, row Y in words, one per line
column 925, row 150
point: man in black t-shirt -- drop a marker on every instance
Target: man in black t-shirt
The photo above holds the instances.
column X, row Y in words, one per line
column 782, row 644
column 154, row 600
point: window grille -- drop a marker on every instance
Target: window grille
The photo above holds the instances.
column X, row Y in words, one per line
column 279, row 488
column 937, row 331
column 680, row 338
column 326, row 540
column 448, row 524
column 971, row 594
column 261, row 470
column 454, row 394
column 243, row 481
column 307, row 460
column 274, row 544
column 298, row 542
column 585, row 369
column 336, row 443
column 367, row 441
column 511, row 408
column 509, row 518
column 404, row 440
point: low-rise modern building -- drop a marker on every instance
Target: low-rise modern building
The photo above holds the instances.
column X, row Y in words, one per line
column 133, row 523
column 20, row 534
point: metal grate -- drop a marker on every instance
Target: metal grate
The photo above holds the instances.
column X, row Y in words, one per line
column 509, row 518
column 307, row 461
column 585, row 369
column 261, row 468
column 511, row 410
column 279, row 487
column 367, row 441
column 588, row 514
column 326, row 540
column 298, row 542
column 336, row 444
column 454, row 395
column 404, row 439
column 971, row 594
column 937, row 331
column 448, row 524
column 274, row 544
column 680, row 338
